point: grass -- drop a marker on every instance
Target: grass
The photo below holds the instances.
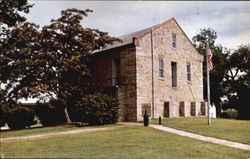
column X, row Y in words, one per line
column 125, row 142
column 229, row 129
column 43, row 130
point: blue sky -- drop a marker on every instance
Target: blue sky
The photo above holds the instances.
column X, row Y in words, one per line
column 230, row 19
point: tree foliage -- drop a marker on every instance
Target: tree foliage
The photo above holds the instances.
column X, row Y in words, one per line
column 219, row 61
column 67, row 47
column 20, row 67
column 10, row 11
column 230, row 77
column 51, row 64
column 202, row 36
column 237, row 81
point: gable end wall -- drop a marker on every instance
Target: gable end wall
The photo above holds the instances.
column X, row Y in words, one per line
column 185, row 91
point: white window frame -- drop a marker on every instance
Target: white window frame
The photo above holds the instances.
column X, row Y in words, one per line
column 174, row 43
column 161, row 68
column 189, row 77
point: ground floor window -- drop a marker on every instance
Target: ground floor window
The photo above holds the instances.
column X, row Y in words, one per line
column 166, row 110
column 192, row 109
column 203, row 108
column 146, row 107
column 182, row 109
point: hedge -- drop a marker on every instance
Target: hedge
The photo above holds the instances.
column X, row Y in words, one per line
column 98, row 109
column 230, row 114
column 20, row 117
column 50, row 113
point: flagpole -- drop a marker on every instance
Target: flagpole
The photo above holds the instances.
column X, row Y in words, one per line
column 208, row 87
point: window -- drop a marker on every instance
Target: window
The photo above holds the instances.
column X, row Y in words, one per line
column 174, row 74
column 193, row 109
column 203, row 108
column 182, row 109
column 173, row 40
column 166, row 110
column 146, row 107
column 189, row 72
column 161, row 68
column 116, row 70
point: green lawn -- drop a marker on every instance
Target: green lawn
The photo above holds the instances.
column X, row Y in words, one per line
column 124, row 142
column 234, row 130
column 45, row 130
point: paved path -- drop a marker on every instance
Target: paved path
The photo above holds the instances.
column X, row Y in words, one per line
column 159, row 127
column 32, row 137
column 196, row 136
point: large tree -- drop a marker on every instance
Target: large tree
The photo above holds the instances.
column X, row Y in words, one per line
column 11, row 15
column 237, row 81
column 219, row 60
column 19, row 64
column 53, row 64
column 67, row 47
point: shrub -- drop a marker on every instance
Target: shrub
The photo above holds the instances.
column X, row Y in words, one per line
column 19, row 117
column 98, row 109
column 50, row 113
column 2, row 115
column 230, row 114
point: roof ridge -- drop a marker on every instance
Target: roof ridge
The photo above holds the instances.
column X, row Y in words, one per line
column 128, row 38
column 148, row 28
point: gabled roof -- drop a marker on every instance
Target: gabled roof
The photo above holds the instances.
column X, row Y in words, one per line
column 128, row 38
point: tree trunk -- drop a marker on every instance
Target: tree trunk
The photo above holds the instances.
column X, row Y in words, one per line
column 68, row 120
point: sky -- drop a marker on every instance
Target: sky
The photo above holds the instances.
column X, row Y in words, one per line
column 230, row 19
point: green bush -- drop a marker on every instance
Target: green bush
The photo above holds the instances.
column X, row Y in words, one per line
column 230, row 114
column 50, row 113
column 98, row 109
column 19, row 117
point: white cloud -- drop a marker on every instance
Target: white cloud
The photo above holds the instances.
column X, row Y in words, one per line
column 229, row 19
column 233, row 42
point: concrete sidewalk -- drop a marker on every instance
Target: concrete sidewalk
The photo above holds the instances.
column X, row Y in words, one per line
column 196, row 136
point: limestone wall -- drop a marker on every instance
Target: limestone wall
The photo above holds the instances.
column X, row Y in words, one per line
column 184, row 53
column 126, row 90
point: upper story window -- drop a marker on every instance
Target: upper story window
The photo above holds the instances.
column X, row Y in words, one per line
column 161, row 68
column 173, row 40
column 189, row 72
column 116, row 70
column 174, row 74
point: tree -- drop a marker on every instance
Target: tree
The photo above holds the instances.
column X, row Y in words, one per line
column 10, row 11
column 237, row 81
column 10, row 18
column 219, row 60
column 202, row 36
column 66, row 49
column 53, row 64
column 19, row 64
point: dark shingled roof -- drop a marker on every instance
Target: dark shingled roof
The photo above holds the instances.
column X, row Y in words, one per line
column 127, row 39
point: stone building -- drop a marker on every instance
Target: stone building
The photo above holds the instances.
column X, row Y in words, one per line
column 156, row 69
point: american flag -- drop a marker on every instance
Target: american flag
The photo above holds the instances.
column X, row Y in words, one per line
column 210, row 60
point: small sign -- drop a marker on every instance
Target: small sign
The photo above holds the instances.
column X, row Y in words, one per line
column 146, row 106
